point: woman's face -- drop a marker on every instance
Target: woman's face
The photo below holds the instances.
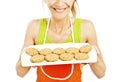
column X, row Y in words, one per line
column 60, row 8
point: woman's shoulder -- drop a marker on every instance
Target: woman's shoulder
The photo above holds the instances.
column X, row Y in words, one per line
column 86, row 23
column 34, row 23
column 87, row 26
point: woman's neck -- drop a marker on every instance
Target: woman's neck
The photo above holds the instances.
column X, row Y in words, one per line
column 60, row 22
column 59, row 25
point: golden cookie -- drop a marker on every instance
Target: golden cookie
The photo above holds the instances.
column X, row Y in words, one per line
column 51, row 57
column 85, row 48
column 45, row 51
column 66, row 56
column 81, row 56
column 58, row 51
column 37, row 58
column 32, row 51
column 72, row 50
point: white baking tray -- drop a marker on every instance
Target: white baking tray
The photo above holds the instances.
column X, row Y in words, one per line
column 25, row 59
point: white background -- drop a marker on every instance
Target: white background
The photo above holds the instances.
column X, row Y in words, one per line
column 16, row 14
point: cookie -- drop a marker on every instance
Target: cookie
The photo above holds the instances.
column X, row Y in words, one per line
column 58, row 51
column 37, row 58
column 81, row 56
column 85, row 49
column 72, row 50
column 45, row 51
column 66, row 56
column 51, row 57
column 32, row 51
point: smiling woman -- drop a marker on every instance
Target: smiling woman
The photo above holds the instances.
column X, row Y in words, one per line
column 61, row 8
column 63, row 26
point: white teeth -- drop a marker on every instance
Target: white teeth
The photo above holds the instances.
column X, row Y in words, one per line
column 60, row 10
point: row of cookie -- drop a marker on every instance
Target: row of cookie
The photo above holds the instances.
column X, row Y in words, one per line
column 55, row 57
column 45, row 51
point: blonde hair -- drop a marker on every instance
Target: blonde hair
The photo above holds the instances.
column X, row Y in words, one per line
column 74, row 9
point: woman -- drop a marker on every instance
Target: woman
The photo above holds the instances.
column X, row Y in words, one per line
column 59, row 28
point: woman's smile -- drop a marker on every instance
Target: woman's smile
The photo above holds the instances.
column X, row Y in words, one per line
column 59, row 10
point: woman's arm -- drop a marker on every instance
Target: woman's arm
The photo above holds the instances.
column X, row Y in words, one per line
column 21, row 71
column 98, row 67
column 29, row 40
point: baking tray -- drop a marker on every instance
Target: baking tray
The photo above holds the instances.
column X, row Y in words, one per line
column 25, row 58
